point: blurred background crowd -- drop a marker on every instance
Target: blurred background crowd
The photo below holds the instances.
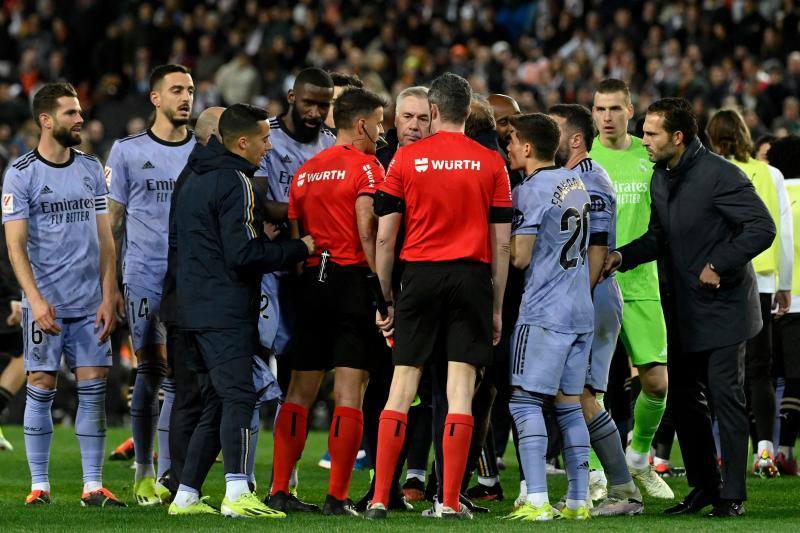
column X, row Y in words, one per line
column 716, row 53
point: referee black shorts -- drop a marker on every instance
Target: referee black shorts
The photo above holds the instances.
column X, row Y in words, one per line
column 336, row 322
column 446, row 304
column 11, row 344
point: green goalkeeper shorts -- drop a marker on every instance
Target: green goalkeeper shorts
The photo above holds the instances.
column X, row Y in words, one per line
column 644, row 332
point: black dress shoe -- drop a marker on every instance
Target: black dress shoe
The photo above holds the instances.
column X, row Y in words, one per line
column 693, row 503
column 727, row 508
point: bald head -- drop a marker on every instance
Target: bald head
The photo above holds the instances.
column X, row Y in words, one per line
column 503, row 106
column 208, row 124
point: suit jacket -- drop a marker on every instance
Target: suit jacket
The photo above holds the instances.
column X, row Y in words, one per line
column 705, row 210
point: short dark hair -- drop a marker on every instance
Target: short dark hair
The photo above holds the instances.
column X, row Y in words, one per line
column 578, row 117
column 355, row 103
column 761, row 141
column 313, row 76
column 614, row 85
column 161, row 71
column 678, row 116
column 539, row 130
column 340, row 79
column 480, row 119
column 783, row 156
column 240, row 119
column 729, row 135
column 46, row 99
column 451, row 94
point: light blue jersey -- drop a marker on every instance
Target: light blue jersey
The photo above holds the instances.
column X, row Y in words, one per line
column 603, row 206
column 61, row 203
column 552, row 203
column 279, row 166
column 286, row 156
column 142, row 170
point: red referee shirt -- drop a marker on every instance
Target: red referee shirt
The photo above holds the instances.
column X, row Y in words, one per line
column 448, row 183
column 322, row 197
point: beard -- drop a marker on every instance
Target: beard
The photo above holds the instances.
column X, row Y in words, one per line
column 66, row 138
column 302, row 132
column 176, row 122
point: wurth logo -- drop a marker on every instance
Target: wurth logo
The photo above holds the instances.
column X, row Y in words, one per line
column 422, row 164
column 325, row 175
column 368, row 171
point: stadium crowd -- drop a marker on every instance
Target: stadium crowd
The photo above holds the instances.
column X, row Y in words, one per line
column 560, row 126
column 713, row 53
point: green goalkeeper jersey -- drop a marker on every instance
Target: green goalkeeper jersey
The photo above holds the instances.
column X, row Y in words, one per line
column 630, row 171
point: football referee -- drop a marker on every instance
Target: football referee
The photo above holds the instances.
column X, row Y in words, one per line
column 222, row 253
column 454, row 197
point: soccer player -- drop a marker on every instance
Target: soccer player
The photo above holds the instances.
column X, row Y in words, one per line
column 553, row 334
column 729, row 137
column 577, row 135
column 142, row 170
column 331, row 199
column 60, row 245
column 341, row 81
column 643, row 332
column 453, row 281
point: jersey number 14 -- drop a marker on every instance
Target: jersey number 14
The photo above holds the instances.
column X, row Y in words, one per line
column 574, row 250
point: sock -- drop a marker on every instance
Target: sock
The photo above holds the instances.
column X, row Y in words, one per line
column 576, row 449
column 290, row 439
column 38, row 423
column 417, row 474
column 575, row 504
column 164, row 461
column 765, row 445
column 235, row 486
column 790, row 412
column 90, row 427
column 488, row 481
column 604, row 437
column 255, row 426
column 537, row 499
column 526, row 410
column 185, row 496
column 144, row 409
column 646, row 418
column 144, row 471
column 391, row 435
column 659, row 461
column 344, row 439
column 5, row 397
column 91, row 486
column 636, row 460
column 523, row 489
column 455, row 446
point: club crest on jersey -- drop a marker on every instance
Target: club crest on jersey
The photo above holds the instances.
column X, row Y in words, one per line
column 8, row 203
column 87, row 182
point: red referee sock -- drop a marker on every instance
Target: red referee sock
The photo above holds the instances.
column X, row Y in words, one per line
column 344, row 440
column 455, row 448
column 391, row 434
column 290, row 439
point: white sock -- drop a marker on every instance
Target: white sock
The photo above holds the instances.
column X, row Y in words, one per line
column 143, row 471
column 787, row 451
column 537, row 499
column 523, row 489
column 659, row 461
column 635, row 459
column 488, row 481
column 765, row 445
column 598, row 476
column 416, row 474
column 361, row 454
column 575, row 504
column 185, row 498
column 41, row 486
column 91, row 486
column 235, row 488
column 293, row 479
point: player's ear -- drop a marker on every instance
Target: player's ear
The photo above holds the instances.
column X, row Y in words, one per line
column 434, row 112
column 155, row 99
column 290, row 96
column 527, row 149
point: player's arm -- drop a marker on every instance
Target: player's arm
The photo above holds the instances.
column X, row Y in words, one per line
column 17, row 240
column 117, row 225
column 597, row 258
column 107, row 313
column 522, row 250
column 367, row 227
column 500, row 236
column 783, row 296
column 644, row 249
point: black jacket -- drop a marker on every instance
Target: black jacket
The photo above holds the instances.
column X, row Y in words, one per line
column 221, row 249
column 705, row 210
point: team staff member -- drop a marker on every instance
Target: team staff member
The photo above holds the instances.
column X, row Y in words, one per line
column 437, row 181
column 412, row 122
column 708, row 224
column 331, row 199
column 222, row 253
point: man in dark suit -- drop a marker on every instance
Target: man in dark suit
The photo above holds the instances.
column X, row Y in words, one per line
column 707, row 223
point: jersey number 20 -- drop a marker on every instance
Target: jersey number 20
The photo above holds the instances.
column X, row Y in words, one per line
column 574, row 250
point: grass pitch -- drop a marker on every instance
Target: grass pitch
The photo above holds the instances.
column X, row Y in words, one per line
column 774, row 505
